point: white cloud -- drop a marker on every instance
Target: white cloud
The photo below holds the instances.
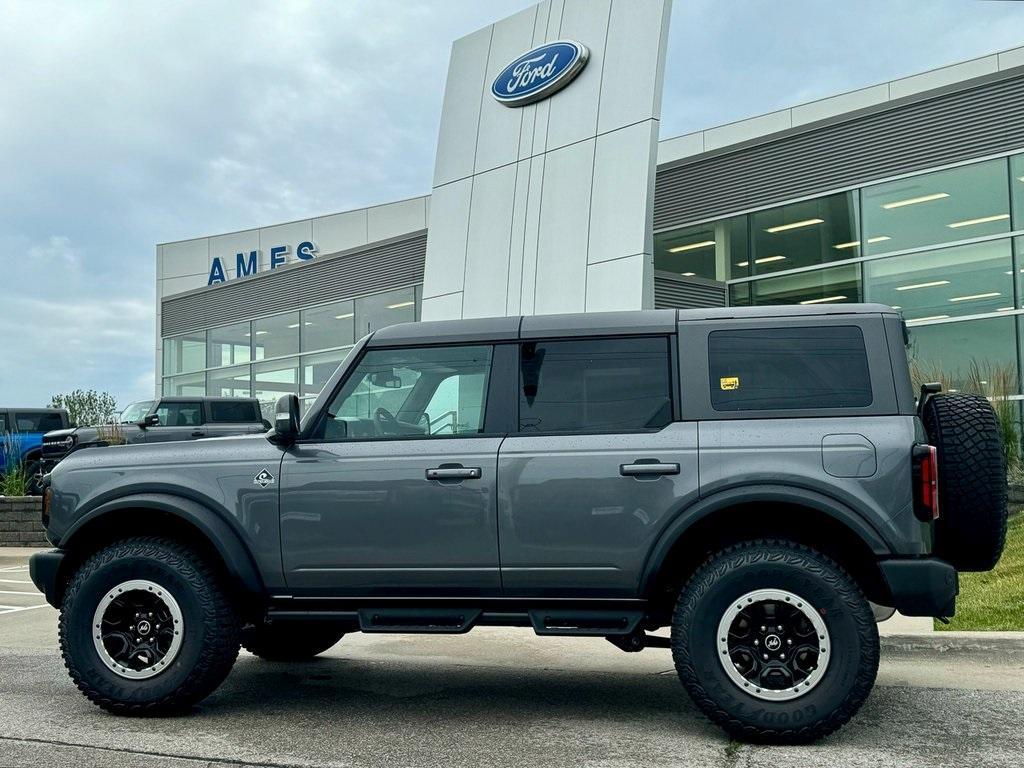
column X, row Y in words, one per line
column 123, row 130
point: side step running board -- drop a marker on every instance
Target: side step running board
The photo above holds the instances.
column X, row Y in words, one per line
column 592, row 623
column 417, row 620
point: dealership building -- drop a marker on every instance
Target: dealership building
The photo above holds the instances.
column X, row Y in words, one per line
column 908, row 193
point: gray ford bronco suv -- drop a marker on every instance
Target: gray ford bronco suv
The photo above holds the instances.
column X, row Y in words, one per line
column 760, row 481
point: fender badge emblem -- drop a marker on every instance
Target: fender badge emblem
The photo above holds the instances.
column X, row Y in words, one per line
column 263, row 479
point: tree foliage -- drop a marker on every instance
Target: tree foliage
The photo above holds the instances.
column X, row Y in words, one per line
column 86, row 407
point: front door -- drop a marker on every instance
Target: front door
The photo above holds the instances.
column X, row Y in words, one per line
column 394, row 490
column 596, row 470
column 179, row 420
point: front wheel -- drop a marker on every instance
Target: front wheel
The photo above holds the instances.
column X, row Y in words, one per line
column 146, row 627
column 775, row 642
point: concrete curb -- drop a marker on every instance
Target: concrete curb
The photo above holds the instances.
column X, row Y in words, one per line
column 957, row 642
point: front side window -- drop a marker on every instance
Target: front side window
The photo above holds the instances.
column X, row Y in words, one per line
column 788, row 368
column 403, row 393
column 38, row 422
column 183, row 414
column 3, row 422
column 595, row 385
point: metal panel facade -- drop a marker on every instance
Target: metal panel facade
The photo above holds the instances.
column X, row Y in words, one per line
column 976, row 120
column 672, row 292
column 389, row 265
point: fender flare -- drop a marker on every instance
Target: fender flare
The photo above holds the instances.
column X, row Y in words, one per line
column 730, row 497
column 218, row 532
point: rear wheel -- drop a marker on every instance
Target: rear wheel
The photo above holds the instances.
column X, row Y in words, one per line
column 775, row 642
column 146, row 628
column 290, row 642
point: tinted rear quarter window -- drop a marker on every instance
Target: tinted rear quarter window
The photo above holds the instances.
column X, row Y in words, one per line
column 595, row 385
column 38, row 422
column 227, row 412
column 788, row 368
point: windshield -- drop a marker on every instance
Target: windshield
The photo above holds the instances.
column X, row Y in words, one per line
column 136, row 411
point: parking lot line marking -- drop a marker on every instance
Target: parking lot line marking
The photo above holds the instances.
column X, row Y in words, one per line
column 9, row 568
column 5, row 609
column 16, row 592
column 16, row 581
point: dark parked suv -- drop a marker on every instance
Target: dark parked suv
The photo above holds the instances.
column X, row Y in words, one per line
column 754, row 479
column 169, row 419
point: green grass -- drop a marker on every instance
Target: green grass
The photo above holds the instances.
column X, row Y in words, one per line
column 994, row 600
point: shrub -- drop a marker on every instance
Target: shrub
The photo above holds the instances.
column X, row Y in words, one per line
column 15, row 478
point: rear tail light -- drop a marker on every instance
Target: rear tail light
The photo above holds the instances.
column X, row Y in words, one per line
column 926, row 482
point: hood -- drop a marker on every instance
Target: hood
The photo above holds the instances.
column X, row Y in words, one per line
column 130, row 458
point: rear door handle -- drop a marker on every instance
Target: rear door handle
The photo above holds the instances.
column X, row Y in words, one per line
column 453, row 473
column 198, row 433
column 648, row 468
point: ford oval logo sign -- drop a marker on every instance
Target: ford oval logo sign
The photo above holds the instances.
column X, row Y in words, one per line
column 540, row 72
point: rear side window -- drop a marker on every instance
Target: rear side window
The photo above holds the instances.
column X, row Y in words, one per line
column 228, row 412
column 38, row 422
column 3, row 422
column 595, row 385
column 180, row 414
column 789, row 369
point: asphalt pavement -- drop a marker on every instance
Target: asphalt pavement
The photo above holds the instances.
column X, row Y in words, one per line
column 492, row 697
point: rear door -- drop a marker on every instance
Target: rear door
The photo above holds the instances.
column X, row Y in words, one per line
column 232, row 417
column 597, row 467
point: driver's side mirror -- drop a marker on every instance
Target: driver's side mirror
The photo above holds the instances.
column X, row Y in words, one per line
column 286, row 420
column 150, row 421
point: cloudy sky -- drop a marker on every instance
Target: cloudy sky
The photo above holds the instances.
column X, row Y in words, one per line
column 125, row 124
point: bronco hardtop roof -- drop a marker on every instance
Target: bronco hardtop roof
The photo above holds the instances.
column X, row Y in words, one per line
column 594, row 323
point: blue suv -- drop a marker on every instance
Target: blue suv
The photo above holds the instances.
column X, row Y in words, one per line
column 26, row 427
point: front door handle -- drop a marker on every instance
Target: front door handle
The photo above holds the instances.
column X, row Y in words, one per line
column 198, row 433
column 453, row 473
column 648, row 468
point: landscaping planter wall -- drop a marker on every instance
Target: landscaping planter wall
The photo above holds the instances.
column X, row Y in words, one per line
column 20, row 525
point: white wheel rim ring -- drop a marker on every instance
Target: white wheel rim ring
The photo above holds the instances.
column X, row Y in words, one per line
column 137, row 585
column 805, row 608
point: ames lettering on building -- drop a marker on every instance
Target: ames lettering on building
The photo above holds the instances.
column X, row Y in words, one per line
column 539, row 72
column 247, row 264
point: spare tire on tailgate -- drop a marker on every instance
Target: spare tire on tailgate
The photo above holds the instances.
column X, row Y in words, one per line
column 971, row 529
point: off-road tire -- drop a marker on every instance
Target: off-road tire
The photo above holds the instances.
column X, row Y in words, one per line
column 775, row 564
column 971, row 530
column 290, row 642
column 210, row 640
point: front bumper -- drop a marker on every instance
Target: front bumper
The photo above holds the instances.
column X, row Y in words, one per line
column 44, row 570
column 924, row 586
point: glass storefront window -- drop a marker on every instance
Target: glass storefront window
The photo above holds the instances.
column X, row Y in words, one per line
column 194, row 384
column 949, row 282
column 185, row 353
column 329, row 326
column 934, row 208
column 229, row 345
column 804, row 234
column 275, row 336
column 1017, row 190
column 384, row 309
column 317, row 369
column 273, row 379
column 229, row 382
column 709, row 250
column 965, row 355
column 820, row 286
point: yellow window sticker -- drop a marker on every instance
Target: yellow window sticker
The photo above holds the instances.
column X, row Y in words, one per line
column 729, row 382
